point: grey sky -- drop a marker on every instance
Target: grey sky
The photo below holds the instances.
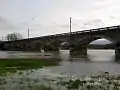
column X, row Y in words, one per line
column 45, row 17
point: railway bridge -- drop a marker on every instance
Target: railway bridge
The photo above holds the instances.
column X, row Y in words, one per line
column 77, row 41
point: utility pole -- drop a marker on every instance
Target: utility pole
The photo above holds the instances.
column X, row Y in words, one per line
column 28, row 37
column 70, row 35
column 28, row 33
column 70, row 25
column 70, row 38
column 2, row 38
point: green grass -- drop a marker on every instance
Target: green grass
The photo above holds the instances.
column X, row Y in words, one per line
column 11, row 65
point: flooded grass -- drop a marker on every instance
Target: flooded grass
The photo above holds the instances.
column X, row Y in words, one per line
column 21, row 80
column 24, row 81
column 102, row 81
column 11, row 65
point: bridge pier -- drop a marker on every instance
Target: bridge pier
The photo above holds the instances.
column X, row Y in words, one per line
column 117, row 52
column 78, row 53
column 50, row 49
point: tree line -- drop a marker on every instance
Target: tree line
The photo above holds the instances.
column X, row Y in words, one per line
column 13, row 36
column 98, row 46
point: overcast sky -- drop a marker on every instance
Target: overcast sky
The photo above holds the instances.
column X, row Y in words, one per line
column 45, row 17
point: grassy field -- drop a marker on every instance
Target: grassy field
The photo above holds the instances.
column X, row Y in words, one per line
column 11, row 65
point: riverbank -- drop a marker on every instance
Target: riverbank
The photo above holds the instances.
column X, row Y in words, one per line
column 14, row 64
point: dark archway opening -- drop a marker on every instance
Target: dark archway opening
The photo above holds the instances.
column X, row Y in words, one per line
column 36, row 46
column 64, row 46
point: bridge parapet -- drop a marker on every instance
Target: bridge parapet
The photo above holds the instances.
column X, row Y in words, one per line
column 94, row 29
column 114, row 27
column 87, row 31
column 79, row 32
column 102, row 29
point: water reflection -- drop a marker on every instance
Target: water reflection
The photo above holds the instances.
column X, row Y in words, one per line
column 93, row 56
column 97, row 60
column 101, row 55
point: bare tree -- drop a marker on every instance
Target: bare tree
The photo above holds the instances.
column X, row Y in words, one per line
column 13, row 36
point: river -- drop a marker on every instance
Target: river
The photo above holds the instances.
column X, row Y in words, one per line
column 96, row 61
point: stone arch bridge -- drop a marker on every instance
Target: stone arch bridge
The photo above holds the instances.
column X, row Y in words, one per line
column 78, row 41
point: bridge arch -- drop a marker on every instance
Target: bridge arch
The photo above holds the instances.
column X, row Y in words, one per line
column 36, row 45
column 100, row 42
column 47, row 46
column 64, row 45
column 79, row 45
column 52, row 45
